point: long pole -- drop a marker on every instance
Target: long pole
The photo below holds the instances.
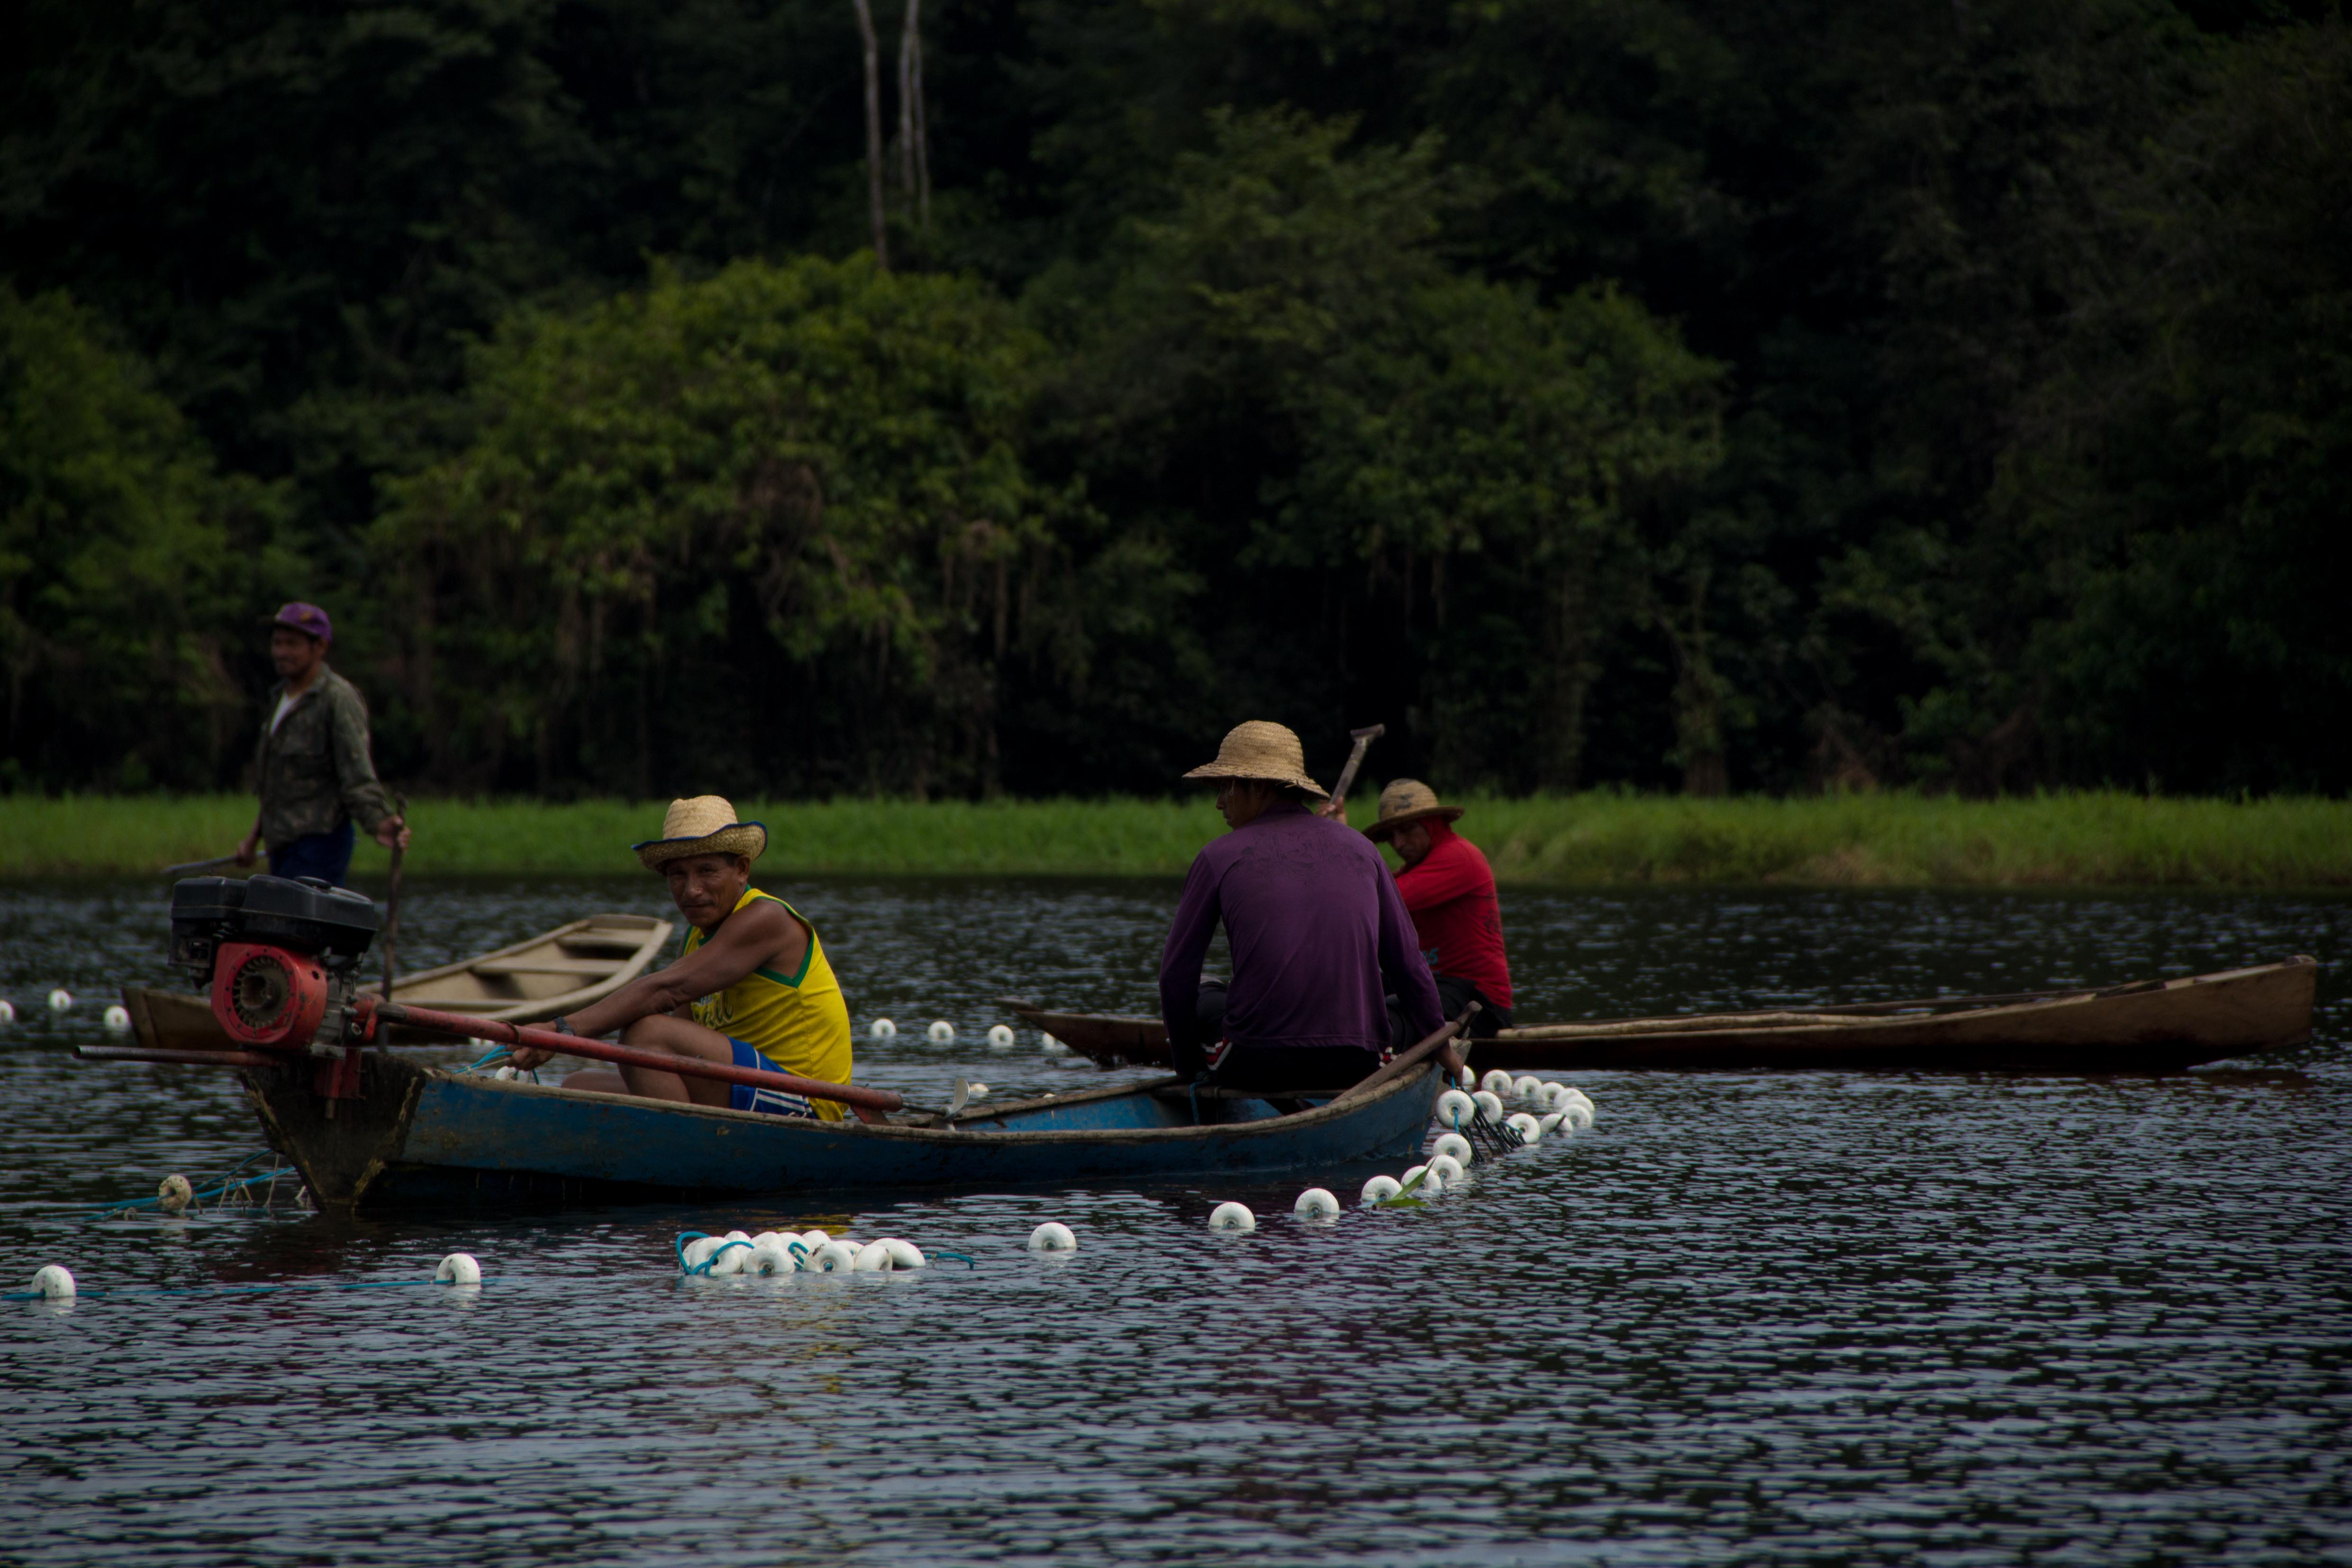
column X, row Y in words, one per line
column 868, row 1103
column 391, row 934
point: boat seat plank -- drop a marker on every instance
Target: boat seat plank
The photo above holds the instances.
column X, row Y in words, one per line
column 538, row 965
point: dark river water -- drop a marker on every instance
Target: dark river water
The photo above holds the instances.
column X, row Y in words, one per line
column 1797, row 1318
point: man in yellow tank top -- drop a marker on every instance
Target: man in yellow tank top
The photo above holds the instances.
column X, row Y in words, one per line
column 750, row 985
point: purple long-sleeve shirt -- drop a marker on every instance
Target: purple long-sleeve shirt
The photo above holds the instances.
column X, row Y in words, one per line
column 1319, row 937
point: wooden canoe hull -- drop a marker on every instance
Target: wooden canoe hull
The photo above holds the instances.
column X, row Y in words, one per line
column 2180, row 1024
column 422, row 1136
column 2161, row 1028
column 557, row 971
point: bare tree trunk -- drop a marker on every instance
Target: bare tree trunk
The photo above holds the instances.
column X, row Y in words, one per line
column 1698, row 699
column 1560, row 750
column 917, row 135
column 874, row 132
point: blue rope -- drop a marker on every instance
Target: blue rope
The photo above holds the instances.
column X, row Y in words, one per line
column 488, row 1061
column 230, row 1290
column 198, row 1198
column 957, row 1256
column 703, row 1268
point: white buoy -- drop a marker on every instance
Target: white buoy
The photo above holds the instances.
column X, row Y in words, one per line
column 53, row 1280
column 1234, row 1217
column 1578, row 1096
column 1315, row 1203
column 458, row 1269
column 1053, row 1237
column 1579, row 1113
column 1380, row 1189
column 7, row 1011
column 173, row 1194
column 889, row 1255
column 1527, row 1086
column 1497, row 1082
column 1000, row 1038
column 117, row 1020
column 813, row 1240
column 1525, row 1126
column 1489, row 1103
column 941, row 1031
column 1446, row 1168
column 1052, row 1047
column 1431, row 1184
column 699, row 1250
column 1453, row 1144
column 881, row 1028
column 976, row 1091
column 60, row 1000
column 1455, row 1109
column 1550, row 1123
column 1467, row 1080
column 771, row 1255
column 833, row 1257
column 730, row 1255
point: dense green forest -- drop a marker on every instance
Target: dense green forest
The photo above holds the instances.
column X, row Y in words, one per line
column 1693, row 394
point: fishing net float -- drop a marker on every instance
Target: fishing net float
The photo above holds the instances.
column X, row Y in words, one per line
column 1315, row 1203
column 1053, row 1237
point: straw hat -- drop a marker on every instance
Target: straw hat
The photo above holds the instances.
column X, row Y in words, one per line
column 1262, row 750
column 1407, row 801
column 705, row 825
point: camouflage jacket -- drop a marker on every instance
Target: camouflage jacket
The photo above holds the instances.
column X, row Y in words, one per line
column 313, row 770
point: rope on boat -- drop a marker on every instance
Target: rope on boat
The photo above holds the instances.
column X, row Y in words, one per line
column 195, row 1201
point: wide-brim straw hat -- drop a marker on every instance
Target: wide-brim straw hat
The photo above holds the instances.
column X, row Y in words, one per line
column 705, row 825
column 1262, row 750
column 1407, row 801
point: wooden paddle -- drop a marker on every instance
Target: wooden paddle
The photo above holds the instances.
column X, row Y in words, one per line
column 391, row 934
column 868, row 1103
column 1363, row 739
column 1406, row 1061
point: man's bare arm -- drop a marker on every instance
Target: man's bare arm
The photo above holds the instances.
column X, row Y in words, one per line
column 758, row 934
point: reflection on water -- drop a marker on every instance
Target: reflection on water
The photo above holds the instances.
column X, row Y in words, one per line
column 1747, row 1318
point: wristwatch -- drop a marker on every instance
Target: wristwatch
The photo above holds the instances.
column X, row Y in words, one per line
column 563, row 1026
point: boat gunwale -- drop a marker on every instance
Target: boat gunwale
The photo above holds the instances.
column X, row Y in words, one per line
column 1345, row 1104
column 656, row 934
column 1708, row 1025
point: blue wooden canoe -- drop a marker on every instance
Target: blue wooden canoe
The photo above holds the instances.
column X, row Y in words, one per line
column 426, row 1136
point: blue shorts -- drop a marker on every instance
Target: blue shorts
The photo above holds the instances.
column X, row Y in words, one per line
column 750, row 1097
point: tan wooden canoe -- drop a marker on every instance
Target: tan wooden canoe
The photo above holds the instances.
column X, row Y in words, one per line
column 2150, row 1026
column 557, row 971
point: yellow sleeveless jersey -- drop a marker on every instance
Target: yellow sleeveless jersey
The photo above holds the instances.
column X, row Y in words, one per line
column 800, row 1022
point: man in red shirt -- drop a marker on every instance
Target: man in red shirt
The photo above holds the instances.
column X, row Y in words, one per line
column 1449, row 891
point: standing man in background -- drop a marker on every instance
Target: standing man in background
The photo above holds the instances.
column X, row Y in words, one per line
column 1449, row 889
column 312, row 767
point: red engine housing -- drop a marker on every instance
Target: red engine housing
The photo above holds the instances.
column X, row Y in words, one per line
column 266, row 996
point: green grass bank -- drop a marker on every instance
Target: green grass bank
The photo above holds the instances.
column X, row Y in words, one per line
column 1589, row 840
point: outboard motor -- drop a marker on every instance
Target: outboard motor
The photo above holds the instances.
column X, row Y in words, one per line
column 278, row 958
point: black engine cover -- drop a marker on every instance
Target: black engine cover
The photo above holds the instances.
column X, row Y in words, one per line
column 306, row 916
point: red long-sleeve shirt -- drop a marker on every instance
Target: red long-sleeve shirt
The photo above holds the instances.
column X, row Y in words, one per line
column 1450, row 897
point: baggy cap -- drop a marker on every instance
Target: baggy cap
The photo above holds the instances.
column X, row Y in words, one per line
column 1264, row 750
column 704, row 825
column 1407, row 801
column 307, row 619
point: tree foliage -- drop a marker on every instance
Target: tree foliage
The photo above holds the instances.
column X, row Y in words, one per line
column 1682, row 392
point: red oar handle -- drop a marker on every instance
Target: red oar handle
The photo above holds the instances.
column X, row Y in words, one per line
column 509, row 1034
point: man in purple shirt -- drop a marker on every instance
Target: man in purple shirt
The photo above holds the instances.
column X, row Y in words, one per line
column 1320, row 938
